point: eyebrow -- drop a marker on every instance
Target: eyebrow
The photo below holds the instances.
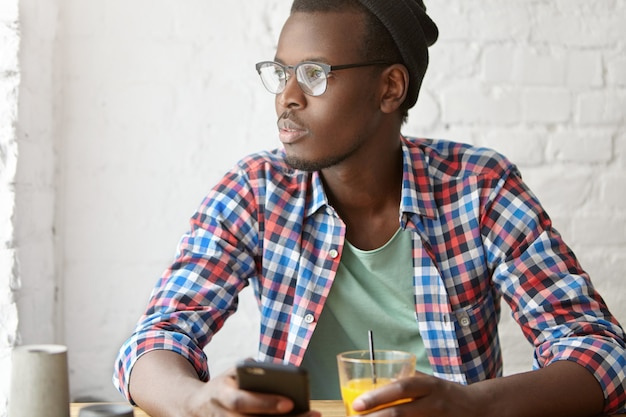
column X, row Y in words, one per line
column 312, row 59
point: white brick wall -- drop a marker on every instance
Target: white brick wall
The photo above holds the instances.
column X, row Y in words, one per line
column 28, row 285
column 148, row 104
column 9, row 84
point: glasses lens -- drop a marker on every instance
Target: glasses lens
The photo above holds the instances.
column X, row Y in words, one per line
column 312, row 78
column 273, row 77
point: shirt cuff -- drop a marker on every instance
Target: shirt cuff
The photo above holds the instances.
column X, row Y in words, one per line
column 142, row 343
column 604, row 357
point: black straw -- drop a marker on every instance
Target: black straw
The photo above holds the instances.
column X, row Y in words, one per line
column 370, row 336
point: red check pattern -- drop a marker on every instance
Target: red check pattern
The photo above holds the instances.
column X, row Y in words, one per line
column 480, row 236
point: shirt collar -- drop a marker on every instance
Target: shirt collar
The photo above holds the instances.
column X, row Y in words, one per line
column 417, row 188
column 417, row 193
column 316, row 195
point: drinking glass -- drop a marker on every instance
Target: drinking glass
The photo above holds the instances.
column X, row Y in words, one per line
column 359, row 374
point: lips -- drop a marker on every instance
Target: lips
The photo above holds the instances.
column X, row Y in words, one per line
column 290, row 131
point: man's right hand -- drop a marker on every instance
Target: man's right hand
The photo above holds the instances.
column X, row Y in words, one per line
column 163, row 383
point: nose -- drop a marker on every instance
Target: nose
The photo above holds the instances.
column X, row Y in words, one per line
column 292, row 96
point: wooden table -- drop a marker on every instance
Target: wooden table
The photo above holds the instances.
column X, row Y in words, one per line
column 330, row 408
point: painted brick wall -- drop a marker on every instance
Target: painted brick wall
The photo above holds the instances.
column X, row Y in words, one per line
column 157, row 99
column 9, row 86
column 29, row 292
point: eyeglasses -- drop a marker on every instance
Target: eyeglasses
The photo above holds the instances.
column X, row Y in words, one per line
column 312, row 77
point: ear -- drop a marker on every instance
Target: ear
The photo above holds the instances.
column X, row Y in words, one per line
column 395, row 85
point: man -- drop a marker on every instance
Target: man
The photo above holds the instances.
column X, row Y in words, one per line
column 352, row 226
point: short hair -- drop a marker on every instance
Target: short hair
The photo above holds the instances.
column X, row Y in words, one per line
column 378, row 43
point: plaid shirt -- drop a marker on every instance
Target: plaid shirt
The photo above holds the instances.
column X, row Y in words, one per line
column 479, row 235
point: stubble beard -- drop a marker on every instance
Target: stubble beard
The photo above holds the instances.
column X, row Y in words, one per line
column 309, row 165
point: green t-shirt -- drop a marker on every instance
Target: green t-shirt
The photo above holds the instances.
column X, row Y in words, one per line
column 373, row 290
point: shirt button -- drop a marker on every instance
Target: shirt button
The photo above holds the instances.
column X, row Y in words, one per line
column 309, row 318
column 464, row 319
column 333, row 253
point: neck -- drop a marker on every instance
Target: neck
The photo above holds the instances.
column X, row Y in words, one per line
column 367, row 194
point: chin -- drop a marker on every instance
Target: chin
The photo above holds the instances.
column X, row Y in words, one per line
column 303, row 164
column 311, row 165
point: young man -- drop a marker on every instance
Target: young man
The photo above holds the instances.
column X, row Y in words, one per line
column 352, row 226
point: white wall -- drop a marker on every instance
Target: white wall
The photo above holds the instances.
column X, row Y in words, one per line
column 160, row 98
column 9, row 85
column 29, row 288
column 153, row 100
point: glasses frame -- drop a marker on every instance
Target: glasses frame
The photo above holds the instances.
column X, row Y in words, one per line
column 326, row 68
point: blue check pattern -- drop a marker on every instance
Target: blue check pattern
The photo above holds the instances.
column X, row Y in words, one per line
column 479, row 236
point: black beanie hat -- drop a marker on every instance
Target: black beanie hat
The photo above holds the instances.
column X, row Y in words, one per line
column 412, row 31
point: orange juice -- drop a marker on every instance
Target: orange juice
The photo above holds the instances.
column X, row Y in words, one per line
column 356, row 387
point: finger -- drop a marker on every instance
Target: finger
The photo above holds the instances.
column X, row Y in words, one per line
column 403, row 390
column 247, row 402
column 396, row 410
column 223, row 395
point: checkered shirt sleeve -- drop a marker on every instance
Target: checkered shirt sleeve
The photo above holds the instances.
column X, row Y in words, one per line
column 490, row 238
column 263, row 224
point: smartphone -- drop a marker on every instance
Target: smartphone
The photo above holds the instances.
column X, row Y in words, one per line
column 273, row 378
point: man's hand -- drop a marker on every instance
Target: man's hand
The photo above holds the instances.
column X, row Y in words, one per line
column 563, row 388
column 430, row 397
column 221, row 396
column 164, row 384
